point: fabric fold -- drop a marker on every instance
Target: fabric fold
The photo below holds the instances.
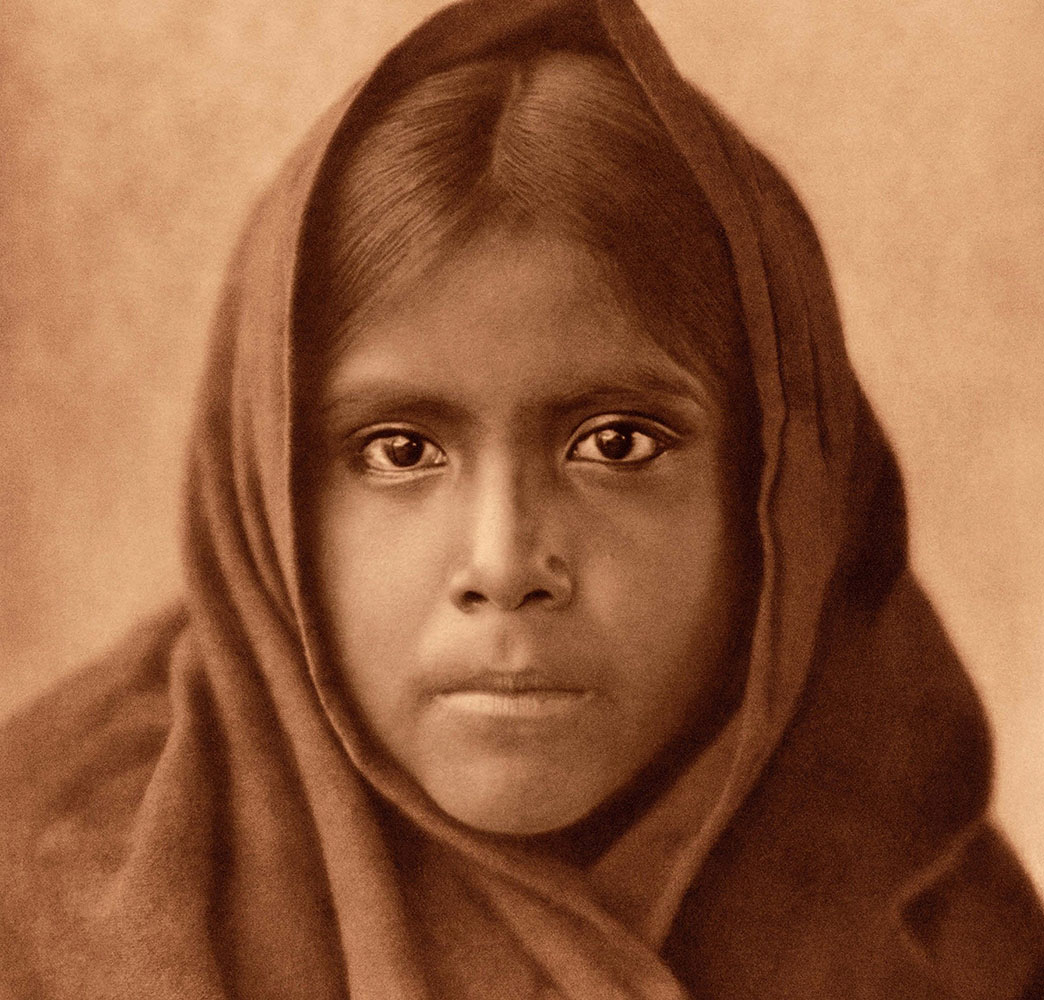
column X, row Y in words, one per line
column 258, row 845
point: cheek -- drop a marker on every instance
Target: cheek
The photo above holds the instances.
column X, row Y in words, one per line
column 380, row 570
column 662, row 580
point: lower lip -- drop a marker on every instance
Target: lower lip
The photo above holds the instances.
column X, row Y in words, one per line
column 537, row 704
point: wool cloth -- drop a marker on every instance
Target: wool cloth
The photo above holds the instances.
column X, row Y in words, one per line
column 200, row 816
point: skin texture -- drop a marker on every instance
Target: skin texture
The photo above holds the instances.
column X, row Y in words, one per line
column 523, row 545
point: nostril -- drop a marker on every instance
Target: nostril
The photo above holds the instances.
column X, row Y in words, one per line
column 469, row 599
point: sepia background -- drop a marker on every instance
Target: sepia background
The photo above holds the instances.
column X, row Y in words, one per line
column 135, row 136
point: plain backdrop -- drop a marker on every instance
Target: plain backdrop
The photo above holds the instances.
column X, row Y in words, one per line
column 135, row 136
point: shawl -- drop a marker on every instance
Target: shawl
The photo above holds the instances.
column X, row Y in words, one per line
column 197, row 816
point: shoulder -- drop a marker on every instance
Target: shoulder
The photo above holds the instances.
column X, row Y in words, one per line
column 80, row 755
column 964, row 902
column 974, row 918
column 864, row 858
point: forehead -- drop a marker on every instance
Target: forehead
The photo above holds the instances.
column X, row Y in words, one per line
column 510, row 321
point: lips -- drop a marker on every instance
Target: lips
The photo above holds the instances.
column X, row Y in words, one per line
column 510, row 682
column 519, row 705
column 511, row 694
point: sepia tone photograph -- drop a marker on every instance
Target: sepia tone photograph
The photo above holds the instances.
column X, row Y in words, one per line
column 522, row 499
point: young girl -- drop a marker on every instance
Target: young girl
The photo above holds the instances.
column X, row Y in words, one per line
column 548, row 631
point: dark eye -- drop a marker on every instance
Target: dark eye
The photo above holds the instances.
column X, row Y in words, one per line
column 401, row 451
column 618, row 443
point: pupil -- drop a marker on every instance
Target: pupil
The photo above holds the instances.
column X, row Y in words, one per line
column 404, row 451
column 613, row 443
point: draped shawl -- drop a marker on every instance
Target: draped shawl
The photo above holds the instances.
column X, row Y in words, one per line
column 199, row 816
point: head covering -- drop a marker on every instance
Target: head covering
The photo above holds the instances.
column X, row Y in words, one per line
column 227, row 831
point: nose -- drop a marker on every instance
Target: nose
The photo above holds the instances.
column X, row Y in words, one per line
column 510, row 556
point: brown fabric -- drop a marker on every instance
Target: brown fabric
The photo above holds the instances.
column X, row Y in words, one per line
column 198, row 816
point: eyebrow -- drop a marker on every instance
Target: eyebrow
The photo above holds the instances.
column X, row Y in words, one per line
column 371, row 397
column 642, row 380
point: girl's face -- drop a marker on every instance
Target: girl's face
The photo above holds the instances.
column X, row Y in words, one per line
column 525, row 557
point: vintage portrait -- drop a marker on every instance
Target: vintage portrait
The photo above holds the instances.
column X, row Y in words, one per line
column 528, row 499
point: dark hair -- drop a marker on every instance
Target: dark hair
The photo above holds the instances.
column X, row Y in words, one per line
column 556, row 141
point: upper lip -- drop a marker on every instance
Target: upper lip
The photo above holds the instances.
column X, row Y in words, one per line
column 509, row 682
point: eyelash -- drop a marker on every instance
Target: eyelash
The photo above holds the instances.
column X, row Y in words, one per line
column 659, row 439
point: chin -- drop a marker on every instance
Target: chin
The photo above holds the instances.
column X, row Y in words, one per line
column 500, row 800
column 515, row 819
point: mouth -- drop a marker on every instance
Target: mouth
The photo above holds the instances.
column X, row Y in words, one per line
column 525, row 694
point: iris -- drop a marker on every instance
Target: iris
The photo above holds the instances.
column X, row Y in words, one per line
column 614, row 442
column 403, row 450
